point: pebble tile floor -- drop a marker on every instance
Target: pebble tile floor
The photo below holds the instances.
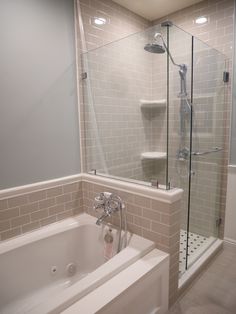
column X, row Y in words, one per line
column 197, row 246
column 214, row 292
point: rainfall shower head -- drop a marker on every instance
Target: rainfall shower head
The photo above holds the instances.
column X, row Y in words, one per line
column 157, row 47
column 154, row 48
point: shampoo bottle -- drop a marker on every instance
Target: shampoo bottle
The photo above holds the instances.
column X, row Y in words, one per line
column 108, row 244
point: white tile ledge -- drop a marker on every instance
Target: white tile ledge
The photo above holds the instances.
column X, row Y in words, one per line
column 169, row 196
column 24, row 189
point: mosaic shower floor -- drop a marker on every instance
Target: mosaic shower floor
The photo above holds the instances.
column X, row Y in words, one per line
column 197, row 246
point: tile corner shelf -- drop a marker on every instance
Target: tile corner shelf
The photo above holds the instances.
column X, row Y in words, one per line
column 161, row 103
column 153, row 155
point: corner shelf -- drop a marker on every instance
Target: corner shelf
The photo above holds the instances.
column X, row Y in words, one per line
column 161, row 103
column 153, row 155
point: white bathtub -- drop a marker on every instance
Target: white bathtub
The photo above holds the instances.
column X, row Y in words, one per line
column 33, row 267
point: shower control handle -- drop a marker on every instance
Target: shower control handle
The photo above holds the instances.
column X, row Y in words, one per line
column 213, row 150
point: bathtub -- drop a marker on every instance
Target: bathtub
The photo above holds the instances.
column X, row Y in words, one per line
column 48, row 270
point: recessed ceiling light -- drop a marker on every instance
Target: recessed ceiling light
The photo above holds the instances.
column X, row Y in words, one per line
column 201, row 20
column 99, row 20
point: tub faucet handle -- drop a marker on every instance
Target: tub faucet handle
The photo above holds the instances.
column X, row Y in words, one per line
column 101, row 201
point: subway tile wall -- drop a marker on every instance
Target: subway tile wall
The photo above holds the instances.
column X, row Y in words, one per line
column 117, row 132
column 147, row 217
column 156, row 220
column 26, row 212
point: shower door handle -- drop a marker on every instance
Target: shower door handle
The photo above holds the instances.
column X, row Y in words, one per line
column 213, row 150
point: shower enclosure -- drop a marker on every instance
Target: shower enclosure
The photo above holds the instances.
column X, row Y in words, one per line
column 153, row 113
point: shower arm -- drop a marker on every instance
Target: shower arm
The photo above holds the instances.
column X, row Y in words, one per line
column 181, row 66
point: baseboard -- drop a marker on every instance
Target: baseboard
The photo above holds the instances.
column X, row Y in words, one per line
column 230, row 241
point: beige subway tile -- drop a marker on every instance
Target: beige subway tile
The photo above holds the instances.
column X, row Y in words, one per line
column 77, row 211
column 160, row 206
column 126, row 197
column 3, row 204
column 48, row 220
column 76, row 195
column 134, row 209
column 174, row 228
column 56, row 209
column 65, row 215
column 162, row 247
column 54, row 191
column 63, row 198
column 134, row 229
column 22, row 220
column 175, row 207
column 129, row 217
column 30, row 227
column 39, row 215
column 160, row 228
column 155, row 237
column 142, row 201
column 4, row 225
column 72, row 205
column 142, row 222
column 37, row 196
column 165, row 219
column 174, row 238
column 10, row 233
column 9, row 213
column 151, row 214
column 171, row 219
column 86, row 186
column 47, row 203
column 29, row 208
column 17, row 201
column 72, row 187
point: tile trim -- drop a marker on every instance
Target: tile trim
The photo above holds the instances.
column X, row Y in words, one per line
column 25, row 189
column 170, row 196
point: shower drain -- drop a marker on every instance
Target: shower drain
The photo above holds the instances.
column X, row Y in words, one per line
column 71, row 269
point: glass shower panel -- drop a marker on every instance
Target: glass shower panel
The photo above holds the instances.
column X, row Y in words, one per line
column 125, row 109
column 180, row 46
column 208, row 138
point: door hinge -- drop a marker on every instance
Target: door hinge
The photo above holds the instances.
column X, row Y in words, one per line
column 225, row 76
column 218, row 222
column 84, row 75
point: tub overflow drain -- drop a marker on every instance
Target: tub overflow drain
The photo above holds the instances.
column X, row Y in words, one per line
column 53, row 270
column 71, row 269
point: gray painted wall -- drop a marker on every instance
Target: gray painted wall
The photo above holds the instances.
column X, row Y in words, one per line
column 233, row 124
column 39, row 132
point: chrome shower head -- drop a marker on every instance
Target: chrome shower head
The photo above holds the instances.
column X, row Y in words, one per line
column 154, row 48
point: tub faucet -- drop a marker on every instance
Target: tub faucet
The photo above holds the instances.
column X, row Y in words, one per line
column 102, row 218
column 109, row 204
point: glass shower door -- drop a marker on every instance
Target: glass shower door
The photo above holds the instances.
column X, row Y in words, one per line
column 207, row 178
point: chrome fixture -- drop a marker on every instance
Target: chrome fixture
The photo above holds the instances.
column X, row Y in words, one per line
column 109, row 204
column 213, row 150
column 159, row 46
column 183, row 154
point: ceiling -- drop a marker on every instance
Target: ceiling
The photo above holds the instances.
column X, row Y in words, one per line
column 154, row 9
